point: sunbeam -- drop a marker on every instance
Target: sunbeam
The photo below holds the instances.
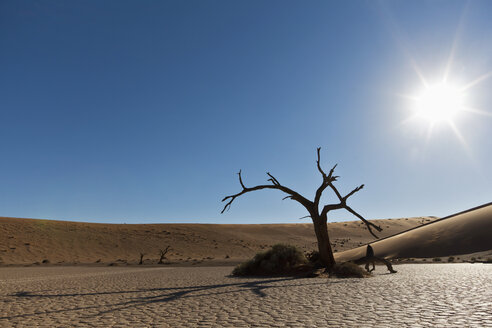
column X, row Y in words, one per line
column 477, row 111
column 456, row 39
column 477, row 81
column 458, row 134
column 429, row 133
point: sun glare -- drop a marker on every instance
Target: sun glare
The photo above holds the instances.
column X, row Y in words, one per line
column 443, row 103
column 439, row 102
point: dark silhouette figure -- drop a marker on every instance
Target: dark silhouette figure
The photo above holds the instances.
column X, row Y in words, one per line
column 312, row 206
column 370, row 254
column 370, row 258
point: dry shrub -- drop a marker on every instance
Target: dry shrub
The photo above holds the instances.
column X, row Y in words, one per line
column 280, row 259
column 349, row 270
column 289, row 260
column 315, row 259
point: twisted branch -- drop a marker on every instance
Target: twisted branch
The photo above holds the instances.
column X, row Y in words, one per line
column 273, row 180
column 276, row 185
column 241, row 180
column 367, row 223
column 319, row 165
column 327, row 179
column 343, row 205
column 353, row 192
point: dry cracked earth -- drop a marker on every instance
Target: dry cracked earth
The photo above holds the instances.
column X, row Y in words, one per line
column 427, row 295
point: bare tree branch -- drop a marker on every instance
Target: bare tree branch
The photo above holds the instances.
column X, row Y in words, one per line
column 276, row 185
column 343, row 205
column 241, row 180
column 330, row 207
column 367, row 223
column 163, row 254
column 353, row 192
column 330, row 175
column 273, row 180
column 336, row 192
column 304, row 217
column 319, row 165
column 327, row 179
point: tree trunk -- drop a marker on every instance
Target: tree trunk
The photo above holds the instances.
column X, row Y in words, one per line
column 324, row 246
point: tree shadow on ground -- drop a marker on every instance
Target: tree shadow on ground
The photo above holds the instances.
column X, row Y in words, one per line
column 164, row 295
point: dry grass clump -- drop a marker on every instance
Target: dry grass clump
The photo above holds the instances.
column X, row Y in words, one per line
column 280, row 259
column 349, row 270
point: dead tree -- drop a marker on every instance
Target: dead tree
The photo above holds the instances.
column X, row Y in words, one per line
column 163, row 254
column 141, row 258
column 318, row 217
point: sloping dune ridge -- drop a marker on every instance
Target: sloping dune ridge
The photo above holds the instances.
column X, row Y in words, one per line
column 461, row 233
column 34, row 241
column 28, row 241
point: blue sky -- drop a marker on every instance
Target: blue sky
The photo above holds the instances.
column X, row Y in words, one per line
column 144, row 111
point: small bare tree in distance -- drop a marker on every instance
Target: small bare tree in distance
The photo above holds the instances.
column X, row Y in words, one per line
column 318, row 217
column 141, row 258
column 163, row 254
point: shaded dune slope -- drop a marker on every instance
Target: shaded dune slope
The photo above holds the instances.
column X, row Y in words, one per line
column 461, row 233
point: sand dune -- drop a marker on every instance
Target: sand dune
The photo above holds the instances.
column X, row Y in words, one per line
column 462, row 233
column 27, row 241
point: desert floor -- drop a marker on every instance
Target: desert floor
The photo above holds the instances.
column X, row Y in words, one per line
column 425, row 295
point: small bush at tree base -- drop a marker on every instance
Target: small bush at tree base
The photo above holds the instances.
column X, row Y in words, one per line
column 349, row 270
column 288, row 259
column 314, row 258
column 280, row 259
column 451, row 259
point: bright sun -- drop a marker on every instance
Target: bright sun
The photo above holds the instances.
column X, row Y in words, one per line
column 439, row 102
column 445, row 101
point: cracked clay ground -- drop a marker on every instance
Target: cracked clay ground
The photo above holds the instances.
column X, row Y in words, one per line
column 426, row 295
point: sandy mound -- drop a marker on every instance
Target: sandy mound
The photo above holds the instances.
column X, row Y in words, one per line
column 462, row 233
column 27, row 241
